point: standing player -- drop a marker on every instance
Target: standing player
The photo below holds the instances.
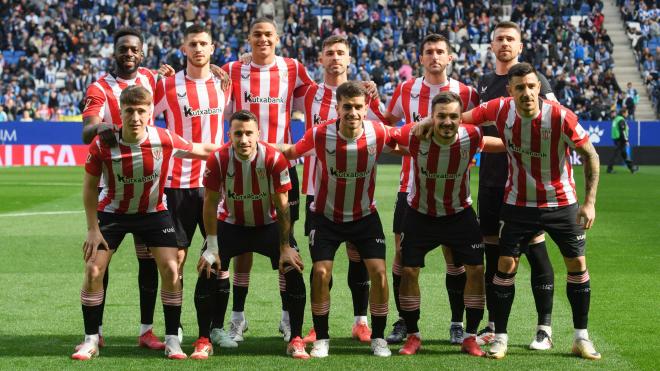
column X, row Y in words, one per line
column 194, row 103
column 102, row 116
column 412, row 102
column 540, row 195
column 440, row 213
column 253, row 180
column 318, row 102
column 344, row 208
column 265, row 87
column 507, row 46
column 131, row 201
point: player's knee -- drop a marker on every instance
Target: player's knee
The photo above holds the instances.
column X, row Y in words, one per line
column 322, row 274
column 474, row 272
column 410, row 273
column 169, row 273
column 507, row 264
column 93, row 272
column 576, row 264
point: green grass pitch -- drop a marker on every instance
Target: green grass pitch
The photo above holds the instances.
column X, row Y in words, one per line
column 41, row 270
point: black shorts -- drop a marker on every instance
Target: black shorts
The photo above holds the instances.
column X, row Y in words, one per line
column 185, row 206
column 489, row 204
column 400, row 208
column 234, row 240
column 294, row 195
column 366, row 234
column 153, row 229
column 520, row 224
column 459, row 232
column 308, row 201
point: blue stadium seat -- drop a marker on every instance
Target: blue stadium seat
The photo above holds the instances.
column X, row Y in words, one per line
column 214, row 12
column 326, row 10
column 224, row 10
column 316, row 11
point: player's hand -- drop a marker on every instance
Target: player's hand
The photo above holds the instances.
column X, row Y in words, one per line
column 586, row 215
column 423, row 129
column 245, row 58
column 289, row 256
column 218, row 72
column 372, row 89
column 166, row 70
column 92, row 242
column 106, row 133
column 206, row 261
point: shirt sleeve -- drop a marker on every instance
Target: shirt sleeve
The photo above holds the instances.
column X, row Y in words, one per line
column 389, row 143
column 572, row 132
column 94, row 164
column 401, row 135
column 180, row 146
column 376, row 111
column 160, row 99
column 212, row 175
column 302, row 77
column 396, row 106
column 281, row 180
column 94, row 102
column 299, row 96
column 305, row 145
column 473, row 99
column 486, row 112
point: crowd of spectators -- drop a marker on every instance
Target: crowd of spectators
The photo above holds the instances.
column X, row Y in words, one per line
column 641, row 19
column 57, row 48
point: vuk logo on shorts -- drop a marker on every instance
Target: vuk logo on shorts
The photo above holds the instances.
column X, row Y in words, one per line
column 249, row 98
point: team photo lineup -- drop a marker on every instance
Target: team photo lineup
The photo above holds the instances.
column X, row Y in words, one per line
column 245, row 194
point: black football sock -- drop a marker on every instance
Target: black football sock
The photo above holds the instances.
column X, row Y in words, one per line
column 106, row 278
column 492, row 257
column 543, row 282
column 358, row 282
column 203, row 303
column 455, row 281
column 505, row 290
column 578, row 290
column 172, row 310
column 220, row 300
column 148, row 283
column 296, row 299
column 91, row 307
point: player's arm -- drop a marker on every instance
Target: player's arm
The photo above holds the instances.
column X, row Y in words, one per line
column 288, row 256
column 493, row 145
column 92, row 126
column 211, row 254
column 587, row 211
column 94, row 237
column 390, row 118
column 221, row 74
column 199, row 151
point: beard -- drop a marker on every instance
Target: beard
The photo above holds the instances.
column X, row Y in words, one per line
column 123, row 70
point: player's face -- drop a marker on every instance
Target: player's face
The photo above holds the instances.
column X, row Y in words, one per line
column 263, row 39
column 351, row 112
column 128, row 54
column 198, row 48
column 446, row 119
column 506, row 44
column 525, row 92
column 435, row 57
column 244, row 136
column 135, row 119
column 335, row 59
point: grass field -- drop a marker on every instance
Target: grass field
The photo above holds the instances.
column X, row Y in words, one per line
column 42, row 228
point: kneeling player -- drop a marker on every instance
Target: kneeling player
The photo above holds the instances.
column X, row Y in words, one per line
column 253, row 179
column 440, row 213
column 131, row 201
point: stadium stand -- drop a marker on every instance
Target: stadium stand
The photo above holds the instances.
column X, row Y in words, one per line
column 52, row 50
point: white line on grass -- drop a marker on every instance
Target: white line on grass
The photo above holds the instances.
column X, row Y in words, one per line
column 41, row 213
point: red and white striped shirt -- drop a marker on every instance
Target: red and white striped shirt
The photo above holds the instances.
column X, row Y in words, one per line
column 102, row 98
column 267, row 91
column 412, row 101
column 194, row 109
column 318, row 102
column 247, row 185
column 135, row 172
column 346, row 172
column 441, row 183
column 540, row 174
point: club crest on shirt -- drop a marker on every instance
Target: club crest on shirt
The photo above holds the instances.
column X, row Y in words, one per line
column 464, row 154
column 371, row 150
column 207, row 172
column 230, row 175
column 261, row 172
column 546, row 133
column 157, row 153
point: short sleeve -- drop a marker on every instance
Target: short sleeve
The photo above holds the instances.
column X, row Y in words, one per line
column 302, row 77
column 486, row 112
column 280, row 174
column 180, row 146
column 375, row 112
column 572, row 132
column 401, row 135
column 94, row 102
column 160, row 99
column 212, row 175
column 396, row 107
column 94, row 164
column 305, row 145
